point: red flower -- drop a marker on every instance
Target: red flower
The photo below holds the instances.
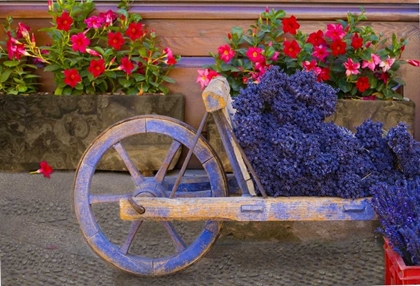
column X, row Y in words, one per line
column 170, row 57
column 226, row 53
column 204, row 77
column 338, row 47
column 126, row 65
column 94, row 22
column 316, row 38
column 134, row 31
column 44, row 169
column 309, row 65
column 96, row 67
column 80, row 42
column 140, row 68
column 335, row 31
column 108, row 17
column 64, row 21
column 15, row 49
column 72, row 77
column 255, row 54
column 212, row 74
column 324, row 74
column 383, row 76
column 362, row 84
column 291, row 49
column 290, row 25
column 115, row 40
column 356, row 41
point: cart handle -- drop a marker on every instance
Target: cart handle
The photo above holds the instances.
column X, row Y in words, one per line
column 216, row 94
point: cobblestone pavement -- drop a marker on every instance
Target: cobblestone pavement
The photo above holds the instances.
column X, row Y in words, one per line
column 40, row 244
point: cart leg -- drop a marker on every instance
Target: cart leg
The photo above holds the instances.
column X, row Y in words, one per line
column 145, row 247
column 228, row 142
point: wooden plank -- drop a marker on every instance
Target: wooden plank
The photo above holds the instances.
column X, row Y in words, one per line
column 252, row 1
column 249, row 209
column 395, row 11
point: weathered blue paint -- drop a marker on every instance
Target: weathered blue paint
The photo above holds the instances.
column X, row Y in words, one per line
column 249, row 209
column 227, row 144
column 180, row 261
column 83, row 198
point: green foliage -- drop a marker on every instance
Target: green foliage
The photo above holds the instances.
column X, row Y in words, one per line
column 16, row 72
column 339, row 55
column 93, row 53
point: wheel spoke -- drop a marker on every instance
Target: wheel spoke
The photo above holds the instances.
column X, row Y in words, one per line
column 96, row 199
column 178, row 242
column 160, row 176
column 134, row 172
column 135, row 225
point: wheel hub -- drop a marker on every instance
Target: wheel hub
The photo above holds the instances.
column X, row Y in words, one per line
column 150, row 188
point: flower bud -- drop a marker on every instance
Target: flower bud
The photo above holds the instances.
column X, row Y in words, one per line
column 23, row 30
column 93, row 53
column 414, row 63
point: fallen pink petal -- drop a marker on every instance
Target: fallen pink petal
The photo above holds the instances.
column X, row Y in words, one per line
column 44, row 169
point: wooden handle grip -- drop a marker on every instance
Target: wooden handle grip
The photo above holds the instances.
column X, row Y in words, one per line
column 216, row 94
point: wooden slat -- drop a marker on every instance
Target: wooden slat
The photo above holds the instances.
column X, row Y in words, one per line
column 249, row 209
column 379, row 12
column 237, row 1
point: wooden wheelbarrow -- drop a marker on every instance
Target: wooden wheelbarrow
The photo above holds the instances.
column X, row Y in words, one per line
column 164, row 223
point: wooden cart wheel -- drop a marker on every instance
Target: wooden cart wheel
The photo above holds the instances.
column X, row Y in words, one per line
column 97, row 208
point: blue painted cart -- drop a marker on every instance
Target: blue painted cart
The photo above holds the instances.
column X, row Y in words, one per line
column 176, row 204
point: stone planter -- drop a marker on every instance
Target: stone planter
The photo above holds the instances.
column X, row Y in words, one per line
column 58, row 129
column 349, row 114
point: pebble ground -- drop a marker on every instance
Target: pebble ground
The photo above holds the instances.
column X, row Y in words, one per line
column 40, row 244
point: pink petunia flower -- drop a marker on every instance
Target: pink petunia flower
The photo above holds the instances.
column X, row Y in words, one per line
column 335, row 32
column 94, row 22
column 351, row 67
column 387, row 64
column 255, row 54
column 170, row 57
column 371, row 64
column 202, row 78
column 320, row 52
column 226, row 53
column 108, row 17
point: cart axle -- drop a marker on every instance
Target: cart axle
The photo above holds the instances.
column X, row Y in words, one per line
column 247, row 209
